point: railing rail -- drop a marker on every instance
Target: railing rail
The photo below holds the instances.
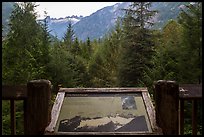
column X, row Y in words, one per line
column 169, row 99
column 36, row 96
column 192, row 92
column 13, row 93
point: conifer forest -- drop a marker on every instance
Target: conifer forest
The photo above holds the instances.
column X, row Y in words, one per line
column 130, row 55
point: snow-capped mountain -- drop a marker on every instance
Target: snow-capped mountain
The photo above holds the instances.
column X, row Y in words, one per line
column 57, row 27
column 102, row 21
column 99, row 23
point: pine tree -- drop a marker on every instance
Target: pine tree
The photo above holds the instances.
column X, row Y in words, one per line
column 69, row 36
column 97, row 68
column 24, row 54
column 191, row 20
column 75, row 49
column 45, row 47
column 89, row 48
column 23, row 46
column 137, row 44
column 165, row 61
column 60, row 66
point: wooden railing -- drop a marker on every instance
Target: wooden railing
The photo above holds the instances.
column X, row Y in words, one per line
column 36, row 96
column 189, row 92
column 169, row 99
column 13, row 93
column 168, row 95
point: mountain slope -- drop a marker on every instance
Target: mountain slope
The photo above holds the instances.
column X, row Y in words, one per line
column 166, row 11
column 7, row 8
column 102, row 21
column 58, row 27
column 98, row 23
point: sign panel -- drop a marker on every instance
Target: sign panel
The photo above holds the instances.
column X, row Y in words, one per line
column 103, row 112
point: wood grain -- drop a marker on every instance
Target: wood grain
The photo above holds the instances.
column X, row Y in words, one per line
column 55, row 112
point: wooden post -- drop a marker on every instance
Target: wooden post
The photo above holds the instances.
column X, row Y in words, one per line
column 181, row 117
column 38, row 107
column 25, row 115
column 13, row 117
column 194, row 117
column 166, row 106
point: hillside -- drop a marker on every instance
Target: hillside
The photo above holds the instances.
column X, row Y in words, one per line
column 102, row 21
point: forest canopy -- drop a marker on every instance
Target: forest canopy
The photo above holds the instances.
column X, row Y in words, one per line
column 131, row 55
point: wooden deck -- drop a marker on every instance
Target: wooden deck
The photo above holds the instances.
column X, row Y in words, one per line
column 39, row 118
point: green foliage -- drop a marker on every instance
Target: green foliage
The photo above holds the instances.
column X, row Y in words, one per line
column 137, row 44
column 24, row 50
column 69, row 36
column 75, row 49
column 130, row 55
column 6, row 117
column 178, row 43
column 191, row 20
column 25, row 55
column 87, row 49
column 65, row 68
column 98, row 71
column 104, row 63
column 178, row 56
column 165, row 62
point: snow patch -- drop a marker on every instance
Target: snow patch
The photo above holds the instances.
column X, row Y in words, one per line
column 115, row 7
column 65, row 20
column 181, row 6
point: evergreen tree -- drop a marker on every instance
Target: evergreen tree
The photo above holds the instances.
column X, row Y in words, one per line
column 103, row 64
column 59, row 66
column 75, row 49
column 22, row 51
column 25, row 53
column 190, row 59
column 45, row 46
column 112, row 44
column 191, row 20
column 165, row 61
column 86, row 48
column 97, row 68
column 67, row 67
column 137, row 44
column 69, row 36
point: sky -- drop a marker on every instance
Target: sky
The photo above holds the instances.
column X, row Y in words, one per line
column 63, row 9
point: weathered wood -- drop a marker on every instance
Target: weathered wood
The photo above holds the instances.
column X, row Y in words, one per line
column 55, row 112
column 50, row 129
column 190, row 91
column 16, row 92
column 194, row 117
column 151, row 112
column 102, row 90
column 181, row 117
column 13, row 117
column 38, row 105
column 167, row 102
column 25, row 115
column 106, row 133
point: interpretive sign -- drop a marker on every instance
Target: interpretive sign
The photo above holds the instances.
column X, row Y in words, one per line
column 103, row 111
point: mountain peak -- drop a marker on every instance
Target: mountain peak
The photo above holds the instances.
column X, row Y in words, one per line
column 103, row 20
